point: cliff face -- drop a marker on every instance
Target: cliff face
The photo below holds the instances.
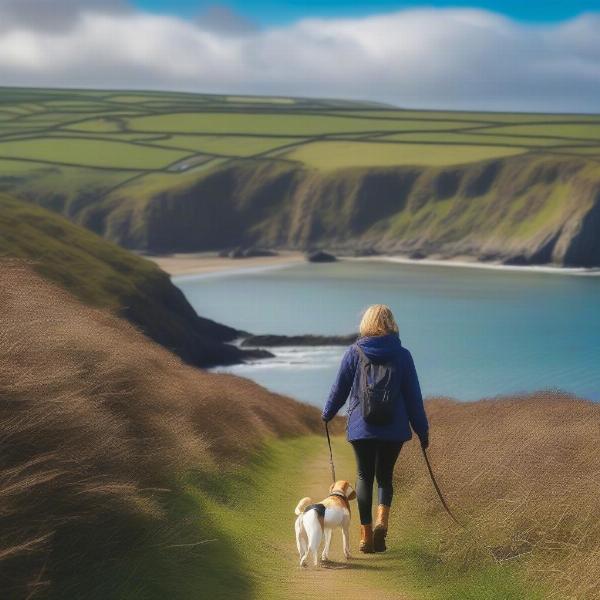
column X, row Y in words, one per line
column 532, row 210
column 104, row 275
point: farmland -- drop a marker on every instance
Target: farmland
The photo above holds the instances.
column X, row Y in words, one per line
column 141, row 132
column 162, row 172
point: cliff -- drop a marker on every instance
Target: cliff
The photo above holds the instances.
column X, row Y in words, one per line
column 102, row 274
column 521, row 210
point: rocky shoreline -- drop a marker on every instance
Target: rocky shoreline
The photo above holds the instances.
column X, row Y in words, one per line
column 272, row 341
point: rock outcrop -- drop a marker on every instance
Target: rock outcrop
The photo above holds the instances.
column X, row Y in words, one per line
column 271, row 341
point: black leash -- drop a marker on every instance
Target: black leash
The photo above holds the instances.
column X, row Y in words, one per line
column 473, row 534
column 433, row 480
column 330, row 453
column 437, row 489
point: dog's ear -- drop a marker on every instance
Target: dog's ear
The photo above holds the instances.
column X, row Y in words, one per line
column 350, row 493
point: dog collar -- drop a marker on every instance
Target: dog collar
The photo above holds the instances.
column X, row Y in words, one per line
column 342, row 496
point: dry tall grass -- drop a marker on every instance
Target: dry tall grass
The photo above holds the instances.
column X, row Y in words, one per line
column 96, row 420
column 524, row 475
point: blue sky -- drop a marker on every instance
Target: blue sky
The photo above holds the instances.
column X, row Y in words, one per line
column 268, row 12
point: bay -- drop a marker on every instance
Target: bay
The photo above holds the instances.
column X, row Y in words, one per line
column 473, row 333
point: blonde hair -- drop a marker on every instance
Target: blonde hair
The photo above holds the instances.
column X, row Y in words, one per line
column 377, row 320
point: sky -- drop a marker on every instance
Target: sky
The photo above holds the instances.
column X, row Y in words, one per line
column 519, row 56
column 268, row 12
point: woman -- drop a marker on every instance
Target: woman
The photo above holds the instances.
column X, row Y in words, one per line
column 377, row 447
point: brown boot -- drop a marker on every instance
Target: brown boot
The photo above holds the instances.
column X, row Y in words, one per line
column 381, row 527
column 366, row 539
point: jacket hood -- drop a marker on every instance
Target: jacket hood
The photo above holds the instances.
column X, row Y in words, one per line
column 380, row 347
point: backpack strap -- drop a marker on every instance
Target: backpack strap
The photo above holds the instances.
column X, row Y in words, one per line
column 362, row 361
column 361, row 355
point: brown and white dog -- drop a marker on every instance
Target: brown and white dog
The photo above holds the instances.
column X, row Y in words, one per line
column 318, row 520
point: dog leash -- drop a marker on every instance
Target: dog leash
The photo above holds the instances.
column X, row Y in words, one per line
column 330, row 453
column 473, row 534
column 431, row 475
column 438, row 490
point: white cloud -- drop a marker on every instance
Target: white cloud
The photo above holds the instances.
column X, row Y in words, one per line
column 54, row 15
column 454, row 58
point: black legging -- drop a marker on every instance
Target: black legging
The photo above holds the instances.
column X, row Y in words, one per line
column 374, row 458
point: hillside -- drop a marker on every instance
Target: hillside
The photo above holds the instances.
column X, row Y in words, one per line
column 98, row 425
column 182, row 172
column 102, row 274
column 126, row 474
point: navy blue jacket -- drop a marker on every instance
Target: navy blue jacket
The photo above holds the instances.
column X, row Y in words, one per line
column 409, row 411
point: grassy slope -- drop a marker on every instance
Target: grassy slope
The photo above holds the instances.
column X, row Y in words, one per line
column 522, row 481
column 100, row 433
column 126, row 474
column 265, row 539
column 104, row 275
column 249, row 547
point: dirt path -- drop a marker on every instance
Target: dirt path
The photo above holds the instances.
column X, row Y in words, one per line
column 361, row 578
column 250, row 515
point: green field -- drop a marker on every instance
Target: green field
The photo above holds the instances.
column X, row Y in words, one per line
column 330, row 156
column 146, row 132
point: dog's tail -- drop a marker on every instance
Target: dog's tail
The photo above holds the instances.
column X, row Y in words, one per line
column 302, row 505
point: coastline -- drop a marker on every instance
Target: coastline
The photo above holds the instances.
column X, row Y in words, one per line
column 182, row 266
column 467, row 262
column 208, row 264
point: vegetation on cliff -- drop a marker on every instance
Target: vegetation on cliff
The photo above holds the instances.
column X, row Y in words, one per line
column 104, row 275
column 531, row 210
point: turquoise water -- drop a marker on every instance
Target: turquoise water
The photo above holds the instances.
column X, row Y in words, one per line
column 473, row 332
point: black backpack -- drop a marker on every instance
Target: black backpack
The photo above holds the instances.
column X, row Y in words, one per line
column 377, row 389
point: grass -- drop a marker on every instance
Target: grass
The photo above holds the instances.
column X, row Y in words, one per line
column 102, row 433
column 259, row 100
column 523, row 482
column 98, row 272
column 331, row 156
column 282, row 124
column 481, row 138
column 240, row 126
column 593, row 150
column 585, row 131
column 90, row 153
column 108, row 124
column 264, row 563
column 104, row 275
column 230, row 145
column 489, row 117
column 245, row 518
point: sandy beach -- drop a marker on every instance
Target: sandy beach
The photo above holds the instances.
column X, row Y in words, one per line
column 209, row 263
column 205, row 263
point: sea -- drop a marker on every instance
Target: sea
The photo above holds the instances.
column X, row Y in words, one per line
column 473, row 332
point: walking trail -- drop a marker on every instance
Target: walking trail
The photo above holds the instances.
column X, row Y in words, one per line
column 364, row 576
column 250, row 518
